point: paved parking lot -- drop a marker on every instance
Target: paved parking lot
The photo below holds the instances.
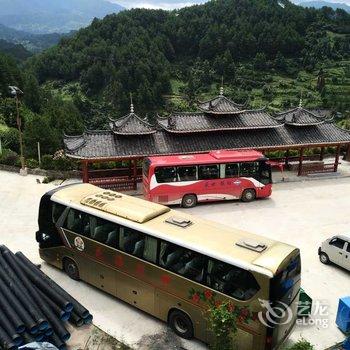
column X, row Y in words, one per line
column 303, row 214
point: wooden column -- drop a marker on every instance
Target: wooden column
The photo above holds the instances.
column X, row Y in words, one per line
column 85, row 171
column 322, row 153
column 336, row 163
column 347, row 155
column 130, row 169
column 286, row 161
column 301, row 157
column 135, row 174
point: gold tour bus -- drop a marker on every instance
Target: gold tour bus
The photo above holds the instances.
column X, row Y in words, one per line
column 169, row 264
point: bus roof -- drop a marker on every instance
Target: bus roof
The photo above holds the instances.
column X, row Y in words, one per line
column 206, row 237
column 209, row 158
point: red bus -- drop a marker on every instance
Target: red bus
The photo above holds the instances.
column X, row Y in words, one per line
column 213, row 176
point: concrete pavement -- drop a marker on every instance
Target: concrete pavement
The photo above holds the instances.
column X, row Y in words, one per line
column 303, row 214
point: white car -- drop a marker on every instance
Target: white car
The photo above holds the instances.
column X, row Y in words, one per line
column 336, row 250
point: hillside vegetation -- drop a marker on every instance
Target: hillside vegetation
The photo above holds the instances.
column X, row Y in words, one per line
column 253, row 44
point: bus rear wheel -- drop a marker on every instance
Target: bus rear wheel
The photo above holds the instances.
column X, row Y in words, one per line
column 71, row 269
column 248, row 195
column 189, row 201
column 181, row 324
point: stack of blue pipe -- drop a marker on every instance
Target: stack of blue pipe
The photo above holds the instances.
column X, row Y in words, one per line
column 32, row 306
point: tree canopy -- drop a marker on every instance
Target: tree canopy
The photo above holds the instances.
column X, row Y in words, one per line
column 137, row 50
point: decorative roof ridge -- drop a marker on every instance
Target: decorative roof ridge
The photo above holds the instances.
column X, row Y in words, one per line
column 287, row 111
column 77, row 137
column 224, row 97
column 73, row 136
column 123, row 120
column 181, row 113
column 220, row 129
column 305, row 125
column 98, row 131
column 300, row 108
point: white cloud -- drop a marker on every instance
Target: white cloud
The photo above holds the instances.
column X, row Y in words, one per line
column 173, row 4
column 158, row 4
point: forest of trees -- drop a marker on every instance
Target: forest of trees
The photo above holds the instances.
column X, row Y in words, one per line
column 139, row 50
column 144, row 51
column 44, row 116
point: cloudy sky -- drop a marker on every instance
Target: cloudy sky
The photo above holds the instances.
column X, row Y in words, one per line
column 163, row 4
column 171, row 4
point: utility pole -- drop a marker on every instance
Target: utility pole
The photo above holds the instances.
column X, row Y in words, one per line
column 39, row 154
column 16, row 92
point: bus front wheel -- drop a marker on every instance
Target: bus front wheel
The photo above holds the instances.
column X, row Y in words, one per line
column 248, row 195
column 181, row 324
column 189, row 201
column 71, row 269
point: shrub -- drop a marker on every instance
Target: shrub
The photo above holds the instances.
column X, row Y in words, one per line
column 9, row 157
column 63, row 164
column 46, row 162
column 48, row 179
column 9, row 137
column 301, row 345
column 32, row 163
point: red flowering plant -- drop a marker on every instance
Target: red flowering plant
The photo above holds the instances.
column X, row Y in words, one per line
column 223, row 318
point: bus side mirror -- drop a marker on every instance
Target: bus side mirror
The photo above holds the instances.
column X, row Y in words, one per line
column 42, row 237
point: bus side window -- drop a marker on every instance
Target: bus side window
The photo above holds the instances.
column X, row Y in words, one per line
column 231, row 280
column 131, row 241
column 231, row 170
column 165, row 174
column 182, row 261
column 249, row 169
column 208, row 172
column 57, row 211
column 187, row 173
column 150, row 251
column 75, row 221
column 101, row 230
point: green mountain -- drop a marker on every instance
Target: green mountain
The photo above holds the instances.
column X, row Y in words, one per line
column 32, row 42
column 140, row 50
column 17, row 51
column 319, row 4
column 53, row 16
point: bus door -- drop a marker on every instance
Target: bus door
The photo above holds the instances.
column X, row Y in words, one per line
column 232, row 184
column 211, row 186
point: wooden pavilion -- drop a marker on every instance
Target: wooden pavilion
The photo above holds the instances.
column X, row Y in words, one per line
column 220, row 123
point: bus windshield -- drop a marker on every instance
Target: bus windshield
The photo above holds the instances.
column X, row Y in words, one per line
column 265, row 173
column 283, row 285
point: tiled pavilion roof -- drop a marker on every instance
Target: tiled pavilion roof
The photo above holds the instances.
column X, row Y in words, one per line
column 182, row 133
column 220, row 105
column 301, row 117
column 104, row 144
column 182, row 122
column 131, row 124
